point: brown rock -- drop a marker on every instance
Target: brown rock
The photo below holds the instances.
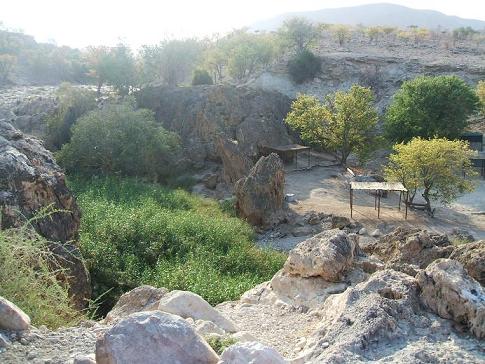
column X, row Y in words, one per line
column 235, row 164
column 260, row 195
column 472, row 257
column 30, row 182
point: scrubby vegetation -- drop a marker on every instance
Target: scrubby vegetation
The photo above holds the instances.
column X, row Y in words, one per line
column 201, row 77
column 118, row 139
column 219, row 344
column 304, row 66
column 430, row 107
column 136, row 233
column 28, row 272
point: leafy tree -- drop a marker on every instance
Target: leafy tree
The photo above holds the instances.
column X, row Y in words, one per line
column 373, row 33
column 345, row 123
column 304, row 66
column 7, row 64
column 170, row 61
column 430, row 106
column 120, row 140
column 342, row 33
column 434, row 167
column 298, row 33
column 73, row 102
column 121, row 72
column 201, row 77
column 99, row 63
column 481, row 95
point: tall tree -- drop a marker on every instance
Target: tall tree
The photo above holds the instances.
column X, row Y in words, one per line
column 298, row 33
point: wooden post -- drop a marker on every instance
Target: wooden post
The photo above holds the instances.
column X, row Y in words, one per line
column 310, row 158
column 375, row 201
column 407, row 201
column 379, row 205
column 351, row 201
column 400, row 196
column 296, row 159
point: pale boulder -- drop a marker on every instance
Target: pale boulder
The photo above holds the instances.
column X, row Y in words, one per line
column 143, row 298
column 187, row 304
column 85, row 359
column 12, row 317
column 251, row 353
column 152, row 338
column 328, row 255
column 204, row 327
column 448, row 290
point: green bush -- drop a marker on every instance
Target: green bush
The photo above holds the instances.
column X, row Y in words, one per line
column 136, row 233
column 201, row 77
column 219, row 344
column 304, row 67
column 28, row 279
column 430, row 107
column 73, row 103
column 120, row 140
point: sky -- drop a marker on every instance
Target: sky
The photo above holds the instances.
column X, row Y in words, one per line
column 79, row 23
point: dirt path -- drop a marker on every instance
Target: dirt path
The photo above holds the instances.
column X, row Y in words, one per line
column 326, row 189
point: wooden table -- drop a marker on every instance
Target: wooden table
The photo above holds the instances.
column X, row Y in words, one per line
column 292, row 148
column 378, row 187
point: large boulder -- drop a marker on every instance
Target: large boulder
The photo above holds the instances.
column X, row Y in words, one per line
column 202, row 114
column 472, row 257
column 235, row 163
column 448, row 290
column 409, row 249
column 251, row 353
column 143, row 298
column 260, row 195
column 328, row 255
column 12, row 317
column 152, row 338
column 31, row 183
column 187, row 304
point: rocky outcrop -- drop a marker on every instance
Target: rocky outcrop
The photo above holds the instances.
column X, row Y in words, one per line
column 203, row 114
column 235, row 163
column 251, row 352
column 472, row 257
column 33, row 191
column 188, row 304
column 12, row 317
column 328, row 255
column 409, row 250
column 152, row 337
column 143, row 298
column 260, row 195
column 449, row 291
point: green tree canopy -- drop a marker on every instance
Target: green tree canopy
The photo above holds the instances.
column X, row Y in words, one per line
column 430, row 107
column 345, row 123
column 298, row 33
column 434, row 167
column 120, row 140
column 481, row 96
column 201, row 77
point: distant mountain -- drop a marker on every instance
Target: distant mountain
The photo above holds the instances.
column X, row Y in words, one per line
column 375, row 14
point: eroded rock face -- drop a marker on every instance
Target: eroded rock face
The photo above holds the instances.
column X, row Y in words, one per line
column 12, row 317
column 409, row 250
column 472, row 257
column 449, row 291
column 327, row 255
column 260, row 196
column 235, row 163
column 187, row 304
column 30, row 181
column 143, row 298
column 153, row 337
column 251, row 352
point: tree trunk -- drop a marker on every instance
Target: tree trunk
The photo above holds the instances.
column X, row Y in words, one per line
column 428, row 202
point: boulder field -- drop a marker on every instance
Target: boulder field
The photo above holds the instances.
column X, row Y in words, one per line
column 331, row 303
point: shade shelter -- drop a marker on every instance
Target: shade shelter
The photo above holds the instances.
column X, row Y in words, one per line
column 293, row 150
column 379, row 187
column 478, row 160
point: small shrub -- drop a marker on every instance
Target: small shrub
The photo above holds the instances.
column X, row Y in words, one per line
column 28, row 278
column 219, row 344
column 201, row 77
column 120, row 140
column 304, row 67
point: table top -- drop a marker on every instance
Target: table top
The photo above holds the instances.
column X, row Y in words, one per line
column 289, row 148
column 383, row 186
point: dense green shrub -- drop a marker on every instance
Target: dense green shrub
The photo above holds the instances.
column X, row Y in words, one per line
column 28, row 279
column 430, row 107
column 219, row 344
column 304, row 66
column 136, row 233
column 201, row 77
column 120, row 140
column 73, row 103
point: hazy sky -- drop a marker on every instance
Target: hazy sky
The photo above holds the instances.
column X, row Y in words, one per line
column 80, row 23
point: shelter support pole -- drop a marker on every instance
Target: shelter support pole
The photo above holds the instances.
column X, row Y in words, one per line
column 407, row 201
column 400, row 196
column 379, row 205
column 296, row 159
column 351, row 201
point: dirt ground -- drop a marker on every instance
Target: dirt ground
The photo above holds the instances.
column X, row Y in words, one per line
column 326, row 189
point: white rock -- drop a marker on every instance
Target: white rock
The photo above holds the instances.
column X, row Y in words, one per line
column 243, row 336
column 4, row 341
column 85, row 359
column 12, row 317
column 188, row 304
column 251, row 353
column 363, row 231
column 376, row 233
column 207, row 327
column 151, row 338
